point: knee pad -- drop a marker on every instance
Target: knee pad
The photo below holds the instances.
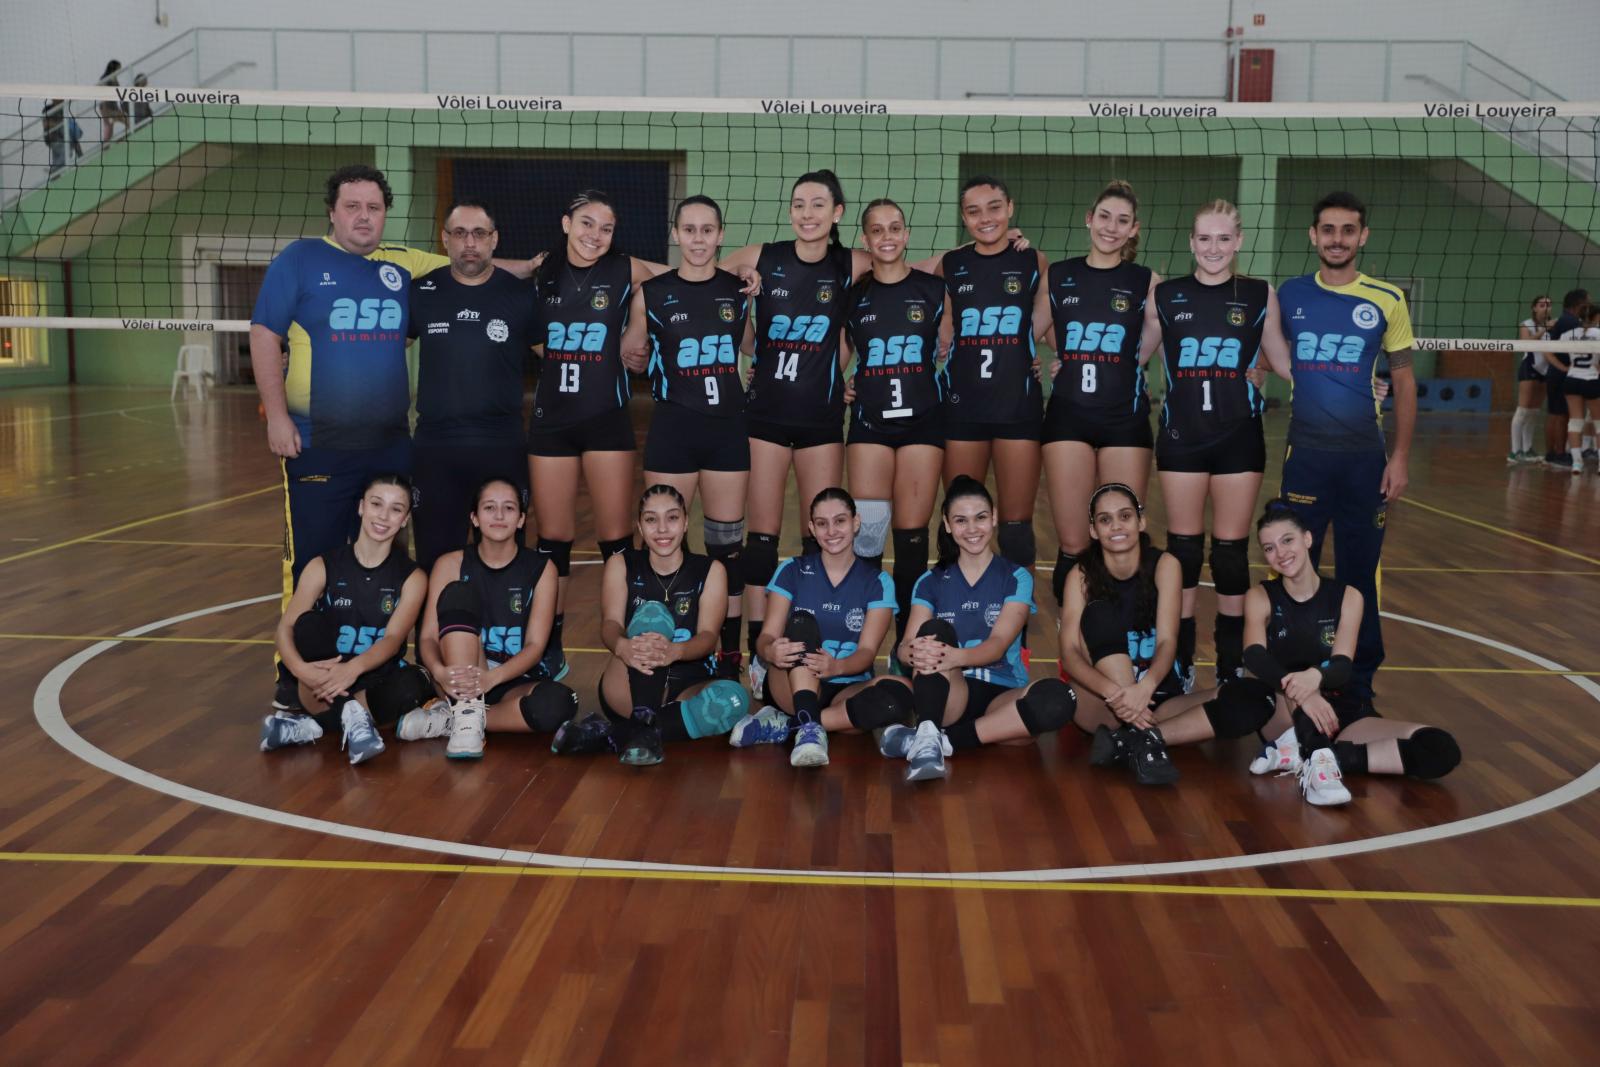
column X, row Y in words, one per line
column 1017, row 543
column 1190, row 552
column 879, row 705
column 407, row 688
column 1575, row 426
column 1242, row 706
column 652, row 617
column 714, row 710
column 760, row 559
column 1429, row 753
column 1230, row 566
column 560, row 553
column 911, row 551
column 943, row 629
column 725, row 544
column 316, row 636
column 803, row 627
column 1102, row 630
column 611, row 548
column 460, row 609
column 874, row 532
column 1047, row 706
column 1065, row 561
column 548, row 706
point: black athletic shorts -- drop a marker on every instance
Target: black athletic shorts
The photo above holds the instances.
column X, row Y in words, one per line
column 611, row 432
column 980, row 695
column 1240, row 450
column 928, row 430
column 1527, row 372
column 444, row 477
column 1026, row 428
column 684, row 441
column 1587, row 388
column 393, row 690
column 1350, row 707
column 1555, row 391
column 1095, row 429
column 796, row 437
column 498, row 693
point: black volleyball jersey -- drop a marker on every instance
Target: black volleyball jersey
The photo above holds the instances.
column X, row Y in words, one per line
column 1141, row 631
column 507, row 597
column 582, row 311
column 1210, row 335
column 990, row 370
column 475, row 341
column 695, row 331
column 1099, row 316
column 798, row 316
column 894, row 329
column 360, row 599
column 1300, row 635
column 680, row 592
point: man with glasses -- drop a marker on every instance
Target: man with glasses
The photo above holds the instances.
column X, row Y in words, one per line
column 475, row 324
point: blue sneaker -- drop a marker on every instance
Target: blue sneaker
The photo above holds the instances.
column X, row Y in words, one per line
column 810, row 746
column 361, row 738
column 769, row 726
column 895, row 741
column 584, row 733
column 282, row 729
column 716, row 709
column 643, row 748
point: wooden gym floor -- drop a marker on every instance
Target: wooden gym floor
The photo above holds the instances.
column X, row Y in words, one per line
column 175, row 896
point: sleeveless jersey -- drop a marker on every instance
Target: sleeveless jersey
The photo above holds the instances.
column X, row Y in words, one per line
column 895, row 331
column 1540, row 365
column 1300, row 635
column 680, row 592
column 798, row 316
column 360, row 599
column 841, row 610
column 582, row 312
column 1211, row 335
column 974, row 609
column 1581, row 365
column 1099, row 316
column 507, row 597
column 695, row 331
column 990, row 370
column 1141, row 633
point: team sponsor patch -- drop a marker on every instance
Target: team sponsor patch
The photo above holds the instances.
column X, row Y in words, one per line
column 516, row 600
column 726, row 313
column 1013, row 286
column 914, row 313
column 390, row 276
column 1365, row 316
column 600, row 301
column 497, row 330
column 1236, row 316
column 1120, row 303
column 855, row 620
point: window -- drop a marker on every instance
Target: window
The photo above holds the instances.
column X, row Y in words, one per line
column 20, row 347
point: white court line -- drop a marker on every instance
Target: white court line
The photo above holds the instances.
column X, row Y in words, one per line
column 84, row 415
column 47, row 711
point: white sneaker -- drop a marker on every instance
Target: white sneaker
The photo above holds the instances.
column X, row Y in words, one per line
column 758, row 680
column 1280, row 757
column 810, row 746
column 425, row 723
column 928, row 749
column 361, row 738
column 467, row 727
column 1320, row 781
column 283, row 728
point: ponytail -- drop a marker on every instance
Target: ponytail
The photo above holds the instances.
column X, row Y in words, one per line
column 830, row 181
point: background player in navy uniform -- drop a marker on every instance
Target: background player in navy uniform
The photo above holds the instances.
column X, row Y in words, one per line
column 994, row 410
column 1338, row 321
column 1555, row 381
column 830, row 612
column 1119, row 641
column 1097, row 422
column 491, row 607
column 1531, row 370
column 693, row 321
column 1212, row 326
column 1301, row 630
column 896, row 317
column 476, row 326
column 343, row 635
column 662, row 609
column 964, row 645
column 1582, row 387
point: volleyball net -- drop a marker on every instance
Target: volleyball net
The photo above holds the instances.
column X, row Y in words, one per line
column 157, row 210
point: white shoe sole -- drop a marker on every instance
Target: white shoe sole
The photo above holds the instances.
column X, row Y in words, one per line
column 808, row 757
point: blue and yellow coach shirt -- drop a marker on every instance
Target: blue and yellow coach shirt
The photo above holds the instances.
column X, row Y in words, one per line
column 345, row 318
column 1335, row 335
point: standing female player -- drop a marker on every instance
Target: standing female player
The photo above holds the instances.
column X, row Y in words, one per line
column 1531, row 370
column 580, row 407
column 964, row 645
column 830, row 612
column 1119, row 639
column 661, row 612
column 1582, row 388
column 695, row 320
column 1097, row 423
column 1301, row 632
column 894, row 320
column 344, row 632
column 1211, row 326
column 491, row 608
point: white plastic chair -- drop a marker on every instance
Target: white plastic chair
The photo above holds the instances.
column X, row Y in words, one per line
column 193, row 367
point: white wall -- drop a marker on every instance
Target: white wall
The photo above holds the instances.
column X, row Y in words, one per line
column 1553, row 40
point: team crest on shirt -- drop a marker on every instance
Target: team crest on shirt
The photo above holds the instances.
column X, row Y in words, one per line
column 914, row 313
column 855, row 620
column 1365, row 316
column 600, row 300
column 497, row 330
column 386, row 601
column 1236, row 316
column 1380, row 518
column 825, row 293
column 1013, row 286
column 991, row 615
column 682, row 604
column 1120, row 303
column 725, row 313
column 516, row 601
column 389, row 275
column 1328, row 631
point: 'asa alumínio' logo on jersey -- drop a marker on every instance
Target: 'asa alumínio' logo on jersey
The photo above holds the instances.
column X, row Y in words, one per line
column 825, row 293
column 386, row 602
column 497, row 330
column 516, row 601
column 600, row 300
column 389, row 275
column 1365, row 316
column 1120, row 303
column 1236, row 316
column 682, row 605
column 914, row 313
column 1013, row 286
column 725, row 312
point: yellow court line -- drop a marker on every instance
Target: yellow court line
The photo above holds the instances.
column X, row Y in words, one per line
column 1462, row 570
column 184, row 544
column 807, row 878
column 1496, row 529
column 137, row 523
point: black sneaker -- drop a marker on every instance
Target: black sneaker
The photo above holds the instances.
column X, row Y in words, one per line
column 1110, row 747
column 1149, row 760
column 584, row 733
column 286, row 697
column 643, row 748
